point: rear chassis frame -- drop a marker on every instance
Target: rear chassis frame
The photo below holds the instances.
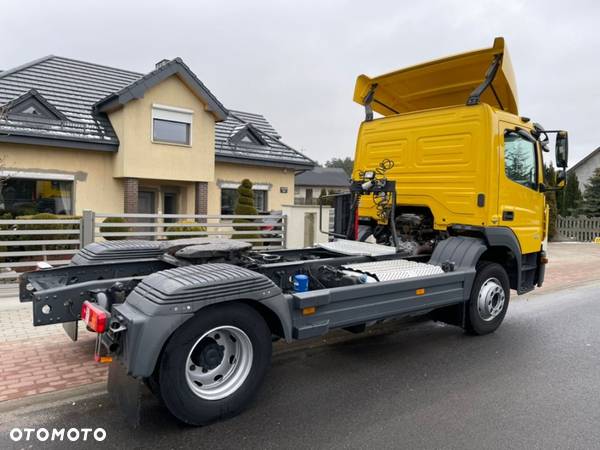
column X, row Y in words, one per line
column 57, row 296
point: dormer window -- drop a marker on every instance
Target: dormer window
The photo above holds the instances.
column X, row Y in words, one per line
column 171, row 125
column 30, row 110
column 247, row 134
column 32, row 103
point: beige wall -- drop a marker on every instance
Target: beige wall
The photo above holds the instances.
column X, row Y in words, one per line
column 95, row 188
column 274, row 176
column 139, row 157
column 303, row 229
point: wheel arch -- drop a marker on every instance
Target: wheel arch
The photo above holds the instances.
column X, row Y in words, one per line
column 496, row 244
column 504, row 256
column 277, row 320
column 166, row 300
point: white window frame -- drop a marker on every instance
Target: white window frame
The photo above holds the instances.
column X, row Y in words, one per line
column 255, row 187
column 173, row 114
column 37, row 175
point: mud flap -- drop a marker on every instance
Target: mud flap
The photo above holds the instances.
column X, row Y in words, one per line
column 126, row 392
column 71, row 328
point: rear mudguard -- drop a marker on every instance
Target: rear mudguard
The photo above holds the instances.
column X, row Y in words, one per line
column 165, row 300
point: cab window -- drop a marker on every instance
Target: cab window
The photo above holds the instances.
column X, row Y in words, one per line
column 519, row 159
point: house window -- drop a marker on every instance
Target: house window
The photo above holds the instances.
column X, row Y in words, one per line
column 22, row 196
column 171, row 125
column 260, row 201
column 229, row 198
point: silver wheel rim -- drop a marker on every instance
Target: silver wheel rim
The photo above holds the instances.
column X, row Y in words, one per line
column 490, row 300
column 219, row 362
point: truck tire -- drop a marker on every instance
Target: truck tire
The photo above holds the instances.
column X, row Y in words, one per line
column 214, row 364
column 489, row 299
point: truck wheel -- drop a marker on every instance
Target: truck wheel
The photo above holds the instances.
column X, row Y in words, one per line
column 214, row 364
column 489, row 299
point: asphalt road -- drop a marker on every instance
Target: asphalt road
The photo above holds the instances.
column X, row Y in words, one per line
column 535, row 383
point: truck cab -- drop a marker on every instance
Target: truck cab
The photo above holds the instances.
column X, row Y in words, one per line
column 463, row 160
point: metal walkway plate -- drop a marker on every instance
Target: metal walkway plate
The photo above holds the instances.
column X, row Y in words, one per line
column 357, row 248
column 396, row 269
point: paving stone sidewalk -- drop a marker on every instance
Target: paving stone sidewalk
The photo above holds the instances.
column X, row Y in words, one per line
column 35, row 360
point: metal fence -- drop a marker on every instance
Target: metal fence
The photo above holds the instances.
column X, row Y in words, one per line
column 25, row 243
column 581, row 228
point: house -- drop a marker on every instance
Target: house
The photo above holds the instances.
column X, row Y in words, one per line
column 312, row 183
column 584, row 169
column 76, row 135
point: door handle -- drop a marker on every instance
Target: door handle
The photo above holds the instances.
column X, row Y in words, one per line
column 508, row 215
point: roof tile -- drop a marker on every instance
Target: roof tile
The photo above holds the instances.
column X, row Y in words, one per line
column 275, row 151
column 70, row 86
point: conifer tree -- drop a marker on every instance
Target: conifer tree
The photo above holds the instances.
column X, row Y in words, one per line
column 569, row 199
column 244, row 206
column 550, row 180
column 590, row 206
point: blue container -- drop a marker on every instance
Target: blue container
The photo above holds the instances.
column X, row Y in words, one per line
column 300, row 283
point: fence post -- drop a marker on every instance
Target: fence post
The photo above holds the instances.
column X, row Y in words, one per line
column 284, row 230
column 87, row 226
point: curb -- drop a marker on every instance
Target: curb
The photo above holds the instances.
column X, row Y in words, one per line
column 50, row 399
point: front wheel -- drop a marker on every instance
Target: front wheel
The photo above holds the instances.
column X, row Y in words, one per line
column 489, row 299
column 214, row 364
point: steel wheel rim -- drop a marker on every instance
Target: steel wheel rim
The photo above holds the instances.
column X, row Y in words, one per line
column 491, row 299
column 219, row 362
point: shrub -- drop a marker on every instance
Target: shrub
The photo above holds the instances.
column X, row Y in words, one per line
column 179, row 228
column 105, row 229
column 244, row 206
column 49, row 226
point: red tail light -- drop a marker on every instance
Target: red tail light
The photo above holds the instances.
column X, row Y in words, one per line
column 95, row 317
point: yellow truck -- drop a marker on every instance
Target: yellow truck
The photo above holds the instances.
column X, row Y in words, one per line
column 464, row 161
column 446, row 214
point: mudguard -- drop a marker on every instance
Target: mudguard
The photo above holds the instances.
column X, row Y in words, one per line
column 462, row 251
column 110, row 251
column 165, row 300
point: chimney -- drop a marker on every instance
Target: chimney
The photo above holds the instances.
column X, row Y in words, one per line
column 161, row 63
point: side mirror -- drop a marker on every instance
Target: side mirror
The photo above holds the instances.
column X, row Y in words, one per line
column 561, row 179
column 562, row 149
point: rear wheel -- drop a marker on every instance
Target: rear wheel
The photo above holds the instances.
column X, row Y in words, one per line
column 489, row 299
column 214, row 364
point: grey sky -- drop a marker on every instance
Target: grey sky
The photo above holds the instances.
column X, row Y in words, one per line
column 296, row 62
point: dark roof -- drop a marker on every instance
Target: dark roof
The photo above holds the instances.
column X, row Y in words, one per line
column 263, row 146
column 80, row 93
column 71, row 87
column 324, row 176
column 165, row 69
column 585, row 159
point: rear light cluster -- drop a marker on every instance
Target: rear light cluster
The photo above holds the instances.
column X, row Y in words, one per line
column 94, row 316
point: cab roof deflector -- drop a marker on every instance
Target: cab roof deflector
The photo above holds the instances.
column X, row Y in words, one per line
column 479, row 76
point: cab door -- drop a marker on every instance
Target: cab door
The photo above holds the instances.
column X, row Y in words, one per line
column 520, row 202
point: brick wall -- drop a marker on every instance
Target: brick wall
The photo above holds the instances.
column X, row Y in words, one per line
column 201, row 201
column 130, row 190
